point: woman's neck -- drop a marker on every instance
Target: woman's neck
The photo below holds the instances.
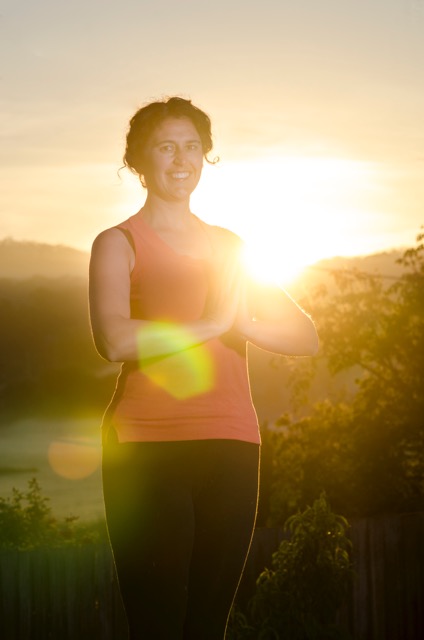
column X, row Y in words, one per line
column 159, row 213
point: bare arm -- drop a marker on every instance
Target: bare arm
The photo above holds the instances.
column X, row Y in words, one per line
column 118, row 337
column 270, row 319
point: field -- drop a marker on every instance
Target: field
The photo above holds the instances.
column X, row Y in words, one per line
column 63, row 455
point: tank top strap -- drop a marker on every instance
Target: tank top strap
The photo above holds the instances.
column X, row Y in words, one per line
column 127, row 233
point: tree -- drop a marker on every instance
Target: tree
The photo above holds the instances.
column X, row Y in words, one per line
column 366, row 451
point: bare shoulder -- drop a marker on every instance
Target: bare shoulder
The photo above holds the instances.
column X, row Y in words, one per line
column 110, row 237
column 113, row 240
column 112, row 247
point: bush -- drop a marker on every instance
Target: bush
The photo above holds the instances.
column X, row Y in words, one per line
column 299, row 597
column 26, row 522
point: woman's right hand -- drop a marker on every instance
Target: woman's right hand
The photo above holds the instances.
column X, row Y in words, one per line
column 224, row 293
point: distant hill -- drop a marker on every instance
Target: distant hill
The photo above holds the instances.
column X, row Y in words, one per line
column 24, row 260
column 383, row 264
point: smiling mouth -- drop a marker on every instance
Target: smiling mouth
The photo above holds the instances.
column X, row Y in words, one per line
column 180, row 175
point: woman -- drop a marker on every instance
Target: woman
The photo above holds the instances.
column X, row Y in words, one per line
column 169, row 299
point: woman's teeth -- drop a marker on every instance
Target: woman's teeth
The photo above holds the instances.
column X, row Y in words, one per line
column 181, row 175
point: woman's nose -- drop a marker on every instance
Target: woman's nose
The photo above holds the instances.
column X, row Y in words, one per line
column 179, row 157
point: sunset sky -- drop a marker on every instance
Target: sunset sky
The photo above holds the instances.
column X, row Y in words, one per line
column 317, row 108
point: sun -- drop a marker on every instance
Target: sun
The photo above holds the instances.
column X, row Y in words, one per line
column 268, row 261
column 291, row 211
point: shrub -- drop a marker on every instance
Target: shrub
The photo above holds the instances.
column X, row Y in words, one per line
column 26, row 522
column 299, row 597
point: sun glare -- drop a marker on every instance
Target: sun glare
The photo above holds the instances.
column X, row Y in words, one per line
column 265, row 262
column 291, row 211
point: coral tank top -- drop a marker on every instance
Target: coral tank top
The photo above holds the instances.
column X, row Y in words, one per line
column 195, row 393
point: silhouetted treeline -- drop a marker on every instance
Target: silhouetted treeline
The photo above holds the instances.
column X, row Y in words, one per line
column 48, row 364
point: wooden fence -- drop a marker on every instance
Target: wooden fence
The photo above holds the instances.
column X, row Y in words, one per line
column 388, row 593
column 60, row 594
column 71, row 593
column 387, row 598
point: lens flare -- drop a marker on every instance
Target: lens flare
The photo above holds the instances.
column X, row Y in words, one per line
column 187, row 371
column 74, row 458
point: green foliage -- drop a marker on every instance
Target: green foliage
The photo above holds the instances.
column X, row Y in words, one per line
column 313, row 455
column 299, row 597
column 366, row 450
column 26, row 522
column 239, row 627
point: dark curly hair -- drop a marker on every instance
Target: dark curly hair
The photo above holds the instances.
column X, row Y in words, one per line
column 146, row 119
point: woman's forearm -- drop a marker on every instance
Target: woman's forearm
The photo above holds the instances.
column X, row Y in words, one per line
column 289, row 339
column 134, row 340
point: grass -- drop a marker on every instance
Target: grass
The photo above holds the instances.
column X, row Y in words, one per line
column 24, row 454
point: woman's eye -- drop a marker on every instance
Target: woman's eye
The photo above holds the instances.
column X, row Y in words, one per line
column 167, row 148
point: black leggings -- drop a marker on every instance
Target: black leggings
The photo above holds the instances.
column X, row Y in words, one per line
column 180, row 517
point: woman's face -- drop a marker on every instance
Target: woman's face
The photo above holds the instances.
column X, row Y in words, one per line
column 173, row 159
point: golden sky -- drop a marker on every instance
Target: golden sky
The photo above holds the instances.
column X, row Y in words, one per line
column 317, row 107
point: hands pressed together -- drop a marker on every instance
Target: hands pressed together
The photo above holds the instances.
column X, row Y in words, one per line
column 226, row 307
column 262, row 314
